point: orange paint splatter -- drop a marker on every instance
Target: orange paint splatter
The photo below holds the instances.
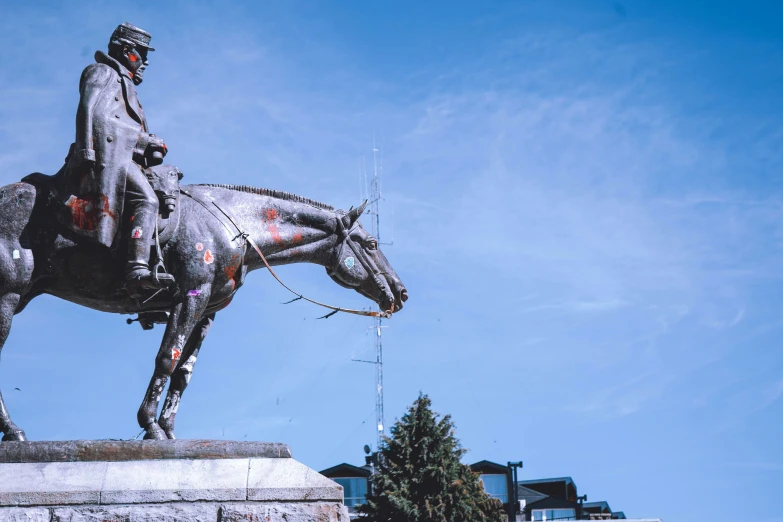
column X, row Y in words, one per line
column 85, row 213
column 133, row 58
column 208, row 257
column 297, row 236
column 175, row 354
column 271, row 214
column 276, row 237
column 231, row 269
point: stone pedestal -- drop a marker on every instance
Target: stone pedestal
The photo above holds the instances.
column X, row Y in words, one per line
column 185, row 480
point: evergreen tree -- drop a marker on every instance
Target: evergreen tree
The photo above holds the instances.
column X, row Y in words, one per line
column 419, row 476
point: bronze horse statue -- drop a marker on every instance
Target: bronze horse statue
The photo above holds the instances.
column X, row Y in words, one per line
column 201, row 245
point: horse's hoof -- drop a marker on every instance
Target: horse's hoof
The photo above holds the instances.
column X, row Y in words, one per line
column 15, row 435
column 170, row 435
column 154, row 432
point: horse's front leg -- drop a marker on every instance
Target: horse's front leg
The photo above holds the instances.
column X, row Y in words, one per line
column 181, row 376
column 183, row 319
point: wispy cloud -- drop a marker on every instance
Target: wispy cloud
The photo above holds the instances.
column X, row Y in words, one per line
column 578, row 306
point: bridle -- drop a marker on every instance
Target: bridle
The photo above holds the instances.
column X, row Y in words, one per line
column 367, row 263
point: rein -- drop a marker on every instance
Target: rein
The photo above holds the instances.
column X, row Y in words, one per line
column 246, row 237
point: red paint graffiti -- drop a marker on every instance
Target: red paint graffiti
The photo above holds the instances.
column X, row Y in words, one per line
column 175, row 353
column 231, row 269
column 271, row 214
column 297, row 236
column 85, row 213
column 208, row 257
column 276, row 237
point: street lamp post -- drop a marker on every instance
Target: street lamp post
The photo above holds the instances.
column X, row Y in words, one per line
column 513, row 490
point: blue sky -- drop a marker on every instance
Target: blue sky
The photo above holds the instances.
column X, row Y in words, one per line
column 585, row 199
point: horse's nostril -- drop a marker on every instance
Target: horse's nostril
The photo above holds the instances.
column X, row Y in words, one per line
column 404, row 295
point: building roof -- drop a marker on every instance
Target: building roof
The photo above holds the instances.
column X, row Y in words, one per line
column 618, row 515
column 567, row 480
column 551, row 503
column 597, row 507
column 529, row 495
column 486, row 466
column 346, row 470
column 562, row 487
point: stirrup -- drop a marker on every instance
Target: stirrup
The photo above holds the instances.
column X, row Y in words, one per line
column 144, row 279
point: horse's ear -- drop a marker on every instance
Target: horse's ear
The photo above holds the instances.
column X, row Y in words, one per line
column 354, row 213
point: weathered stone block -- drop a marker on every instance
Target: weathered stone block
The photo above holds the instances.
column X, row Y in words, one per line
column 26, row 514
column 176, row 480
column 284, row 512
column 288, row 480
column 175, row 512
column 48, row 484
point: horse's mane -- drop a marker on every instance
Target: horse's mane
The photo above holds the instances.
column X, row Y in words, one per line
column 279, row 194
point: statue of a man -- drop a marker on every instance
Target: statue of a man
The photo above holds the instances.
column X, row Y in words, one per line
column 110, row 194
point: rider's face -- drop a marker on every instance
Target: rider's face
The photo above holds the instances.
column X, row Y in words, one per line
column 136, row 58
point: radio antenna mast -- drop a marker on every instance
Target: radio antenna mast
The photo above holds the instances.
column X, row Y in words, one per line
column 373, row 211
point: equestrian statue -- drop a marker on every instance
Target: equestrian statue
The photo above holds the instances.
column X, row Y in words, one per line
column 114, row 231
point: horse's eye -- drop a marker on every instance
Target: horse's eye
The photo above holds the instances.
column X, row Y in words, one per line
column 372, row 244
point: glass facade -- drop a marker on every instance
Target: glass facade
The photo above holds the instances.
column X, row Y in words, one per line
column 355, row 490
column 554, row 514
column 496, row 486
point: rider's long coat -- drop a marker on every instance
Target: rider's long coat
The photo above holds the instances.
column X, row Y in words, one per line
column 109, row 122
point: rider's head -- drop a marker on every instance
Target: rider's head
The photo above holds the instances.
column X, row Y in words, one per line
column 129, row 45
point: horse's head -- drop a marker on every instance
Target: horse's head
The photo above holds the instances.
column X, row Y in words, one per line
column 358, row 263
column 164, row 180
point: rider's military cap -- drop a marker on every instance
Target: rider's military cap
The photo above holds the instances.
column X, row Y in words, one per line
column 132, row 34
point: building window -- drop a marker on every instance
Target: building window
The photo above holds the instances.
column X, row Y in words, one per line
column 355, row 491
column 554, row 514
column 496, row 486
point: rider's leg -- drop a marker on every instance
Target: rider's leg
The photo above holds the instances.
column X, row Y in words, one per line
column 142, row 211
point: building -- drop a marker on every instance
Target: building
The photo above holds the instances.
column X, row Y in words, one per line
column 536, row 500
column 355, row 482
column 600, row 511
column 549, row 499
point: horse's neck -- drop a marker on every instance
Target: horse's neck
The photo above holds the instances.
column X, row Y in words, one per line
column 285, row 231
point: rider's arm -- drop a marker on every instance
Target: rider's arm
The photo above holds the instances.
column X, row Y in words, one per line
column 94, row 79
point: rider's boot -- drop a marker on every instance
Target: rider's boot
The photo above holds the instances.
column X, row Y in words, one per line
column 144, row 212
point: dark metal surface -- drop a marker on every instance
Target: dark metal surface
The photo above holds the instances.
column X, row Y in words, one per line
column 86, row 250
column 204, row 251
column 78, row 251
column 123, row 450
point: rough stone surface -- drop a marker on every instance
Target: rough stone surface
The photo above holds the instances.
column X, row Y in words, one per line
column 66, row 483
column 124, row 450
column 174, row 480
column 46, row 484
column 24, row 515
column 282, row 512
column 212, row 490
column 185, row 512
column 289, row 480
column 177, row 512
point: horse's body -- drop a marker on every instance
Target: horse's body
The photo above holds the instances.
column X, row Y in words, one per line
column 206, row 253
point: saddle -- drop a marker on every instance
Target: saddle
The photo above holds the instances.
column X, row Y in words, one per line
column 164, row 180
